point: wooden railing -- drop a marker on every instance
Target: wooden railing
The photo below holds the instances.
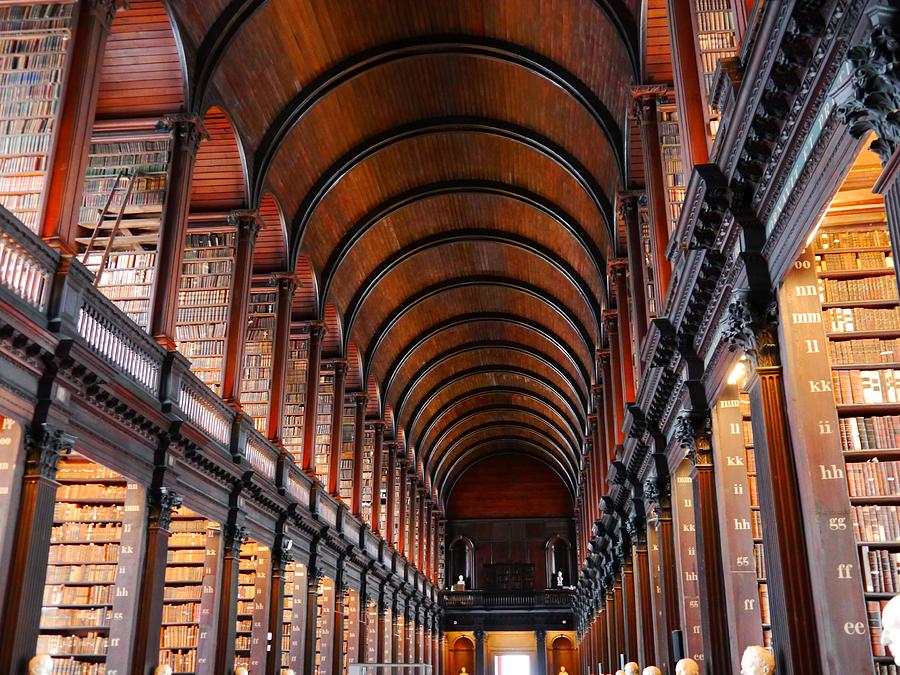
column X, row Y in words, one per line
column 26, row 265
column 562, row 599
column 57, row 293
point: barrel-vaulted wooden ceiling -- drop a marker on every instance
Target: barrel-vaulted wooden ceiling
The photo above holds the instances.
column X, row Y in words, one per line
column 445, row 174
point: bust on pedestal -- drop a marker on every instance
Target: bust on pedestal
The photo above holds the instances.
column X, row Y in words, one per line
column 562, row 671
column 632, row 668
column 652, row 670
column 890, row 628
column 460, row 584
column 462, row 671
column 41, row 664
column 687, row 667
column 757, row 661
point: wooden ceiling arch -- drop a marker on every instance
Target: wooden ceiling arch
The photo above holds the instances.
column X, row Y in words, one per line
column 440, row 176
column 454, row 332
column 234, row 15
column 477, row 398
column 508, row 378
column 503, row 446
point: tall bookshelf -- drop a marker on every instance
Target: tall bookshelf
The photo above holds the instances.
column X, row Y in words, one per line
column 348, row 440
column 688, row 571
column 371, row 631
column 34, row 46
column 293, row 618
column 383, row 490
column 368, row 468
column 759, row 552
column 93, row 570
column 324, row 626
column 203, row 297
column 398, row 507
column 189, row 599
column 120, row 214
column 252, row 606
column 858, row 292
column 256, row 383
column 295, row 395
column 322, row 439
column 648, row 258
column 673, row 171
column 716, row 38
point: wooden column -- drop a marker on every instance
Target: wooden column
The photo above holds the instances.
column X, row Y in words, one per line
column 540, row 638
column 381, row 630
column 657, row 497
column 313, row 576
column 337, row 634
column 612, row 636
column 609, row 417
column 479, row 652
column 360, row 400
column 629, row 607
column 187, row 131
column 280, row 559
column 413, row 514
column 619, row 277
column 148, row 617
column 75, row 122
column 31, row 548
column 403, row 510
column 611, row 324
column 313, row 370
column 733, row 491
column 287, row 286
column 621, row 638
column 689, row 89
column 234, row 536
column 647, row 116
column 695, row 435
column 600, row 439
column 423, row 533
column 377, row 468
column 390, row 535
column 247, row 227
column 646, row 642
column 337, row 427
column 629, row 208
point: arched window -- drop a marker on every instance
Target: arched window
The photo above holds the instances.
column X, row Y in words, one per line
column 559, row 562
column 462, row 562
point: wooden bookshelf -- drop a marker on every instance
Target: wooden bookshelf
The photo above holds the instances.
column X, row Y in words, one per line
column 383, row 491
column 119, row 219
column 322, row 439
column 716, row 38
column 325, row 595
column 293, row 618
column 251, row 627
column 856, row 263
column 256, row 383
column 759, row 552
column 348, row 436
column 398, row 507
column 295, row 395
column 35, row 39
column 189, row 598
column 93, row 571
column 203, row 303
column 673, row 171
column 368, row 484
column 688, row 571
column 371, row 614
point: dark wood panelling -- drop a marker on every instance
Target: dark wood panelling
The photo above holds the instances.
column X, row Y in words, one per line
column 142, row 71
column 218, row 183
column 270, row 252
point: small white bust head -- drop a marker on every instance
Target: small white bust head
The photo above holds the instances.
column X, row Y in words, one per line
column 163, row 669
column 290, row 671
column 41, row 664
column 620, row 672
column 463, row 669
column 240, row 670
column 890, row 628
column 757, row 661
column 652, row 670
column 687, row 667
column 562, row 670
column 632, row 668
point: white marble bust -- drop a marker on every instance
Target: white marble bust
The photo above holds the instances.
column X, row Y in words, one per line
column 652, row 670
column 687, row 667
column 40, row 664
column 890, row 628
column 240, row 670
column 620, row 672
column 757, row 661
column 163, row 669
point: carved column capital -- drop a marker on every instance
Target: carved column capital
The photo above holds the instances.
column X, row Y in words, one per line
column 317, row 330
column 752, row 327
column 104, row 10
column 694, row 434
column 45, row 446
column 246, row 223
column 187, row 129
column 875, row 98
column 235, row 536
column 284, row 282
column 163, row 503
column 360, row 399
column 610, row 320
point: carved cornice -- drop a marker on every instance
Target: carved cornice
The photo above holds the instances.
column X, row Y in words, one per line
column 875, row 106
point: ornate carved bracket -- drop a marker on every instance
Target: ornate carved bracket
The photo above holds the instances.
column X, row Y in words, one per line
column 753, row 329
